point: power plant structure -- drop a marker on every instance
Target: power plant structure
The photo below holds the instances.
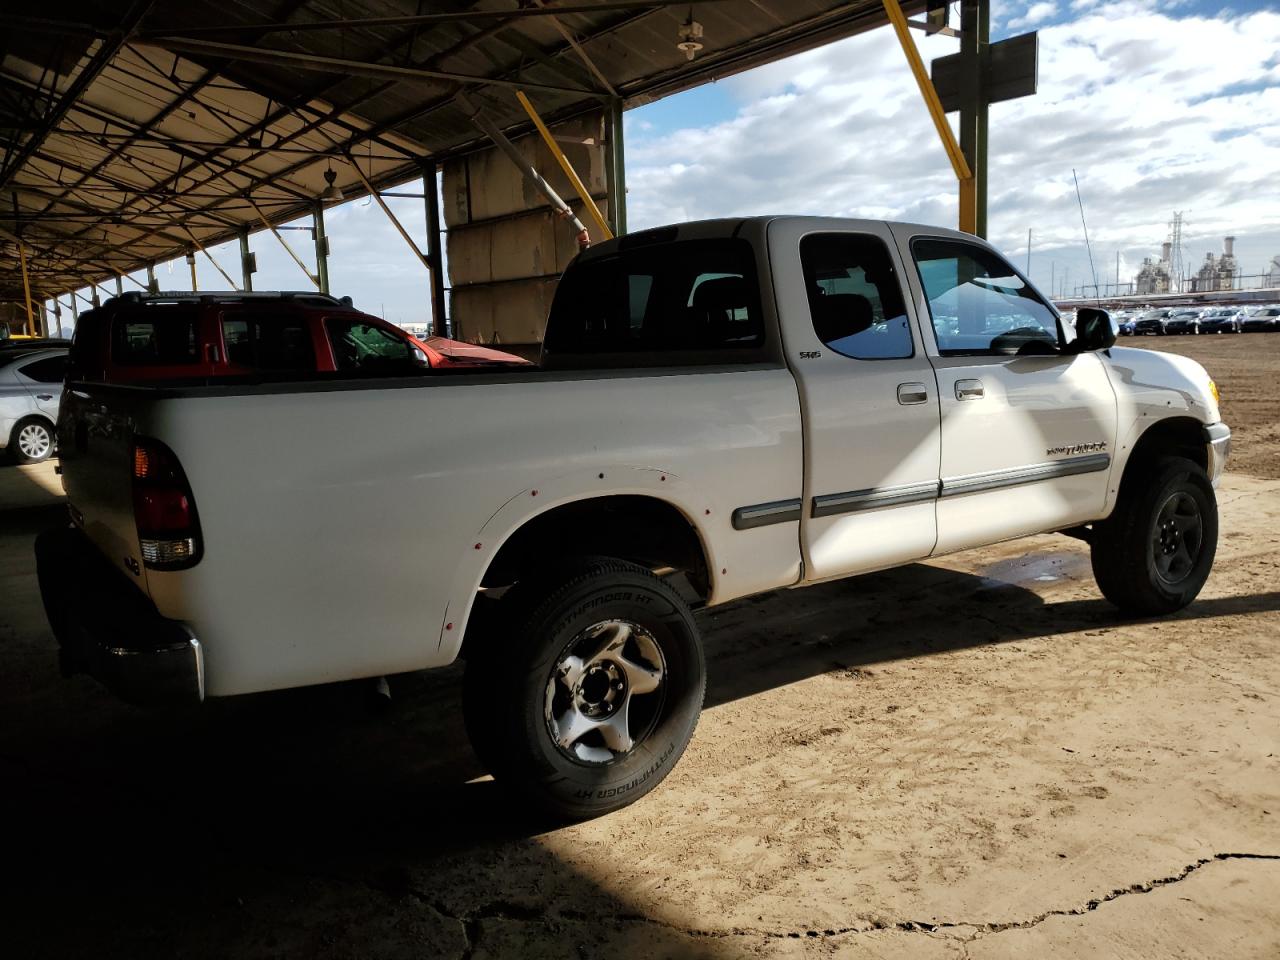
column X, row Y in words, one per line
column 1153, row 276
column 1217, row 273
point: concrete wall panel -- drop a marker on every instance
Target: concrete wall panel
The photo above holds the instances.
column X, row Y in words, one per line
column 506, row 245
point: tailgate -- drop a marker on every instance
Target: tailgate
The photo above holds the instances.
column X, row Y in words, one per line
column 96, row 427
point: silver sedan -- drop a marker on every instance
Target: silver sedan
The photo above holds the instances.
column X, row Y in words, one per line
column 30, row 388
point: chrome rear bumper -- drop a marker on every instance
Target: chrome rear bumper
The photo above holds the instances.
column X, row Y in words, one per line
column 106, row 627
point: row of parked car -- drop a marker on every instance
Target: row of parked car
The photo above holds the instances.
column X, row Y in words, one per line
column 1171, row 320
column 144, row 338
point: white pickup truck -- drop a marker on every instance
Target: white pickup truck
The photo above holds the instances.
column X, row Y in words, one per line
column 722, row 408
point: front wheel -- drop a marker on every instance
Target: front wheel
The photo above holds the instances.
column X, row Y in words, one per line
column 587, row 688
column 1154, row 553
column 31, row 441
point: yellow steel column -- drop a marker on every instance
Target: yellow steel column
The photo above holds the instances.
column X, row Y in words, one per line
column 968, row 187
column 565, row 165
column 26, row 287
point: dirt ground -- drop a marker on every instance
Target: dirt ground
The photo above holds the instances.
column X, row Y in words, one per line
column 974, row 757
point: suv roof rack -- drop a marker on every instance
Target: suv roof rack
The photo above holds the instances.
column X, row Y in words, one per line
column 230, row 296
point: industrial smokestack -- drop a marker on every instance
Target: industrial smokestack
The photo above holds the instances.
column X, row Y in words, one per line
column 1228, row 246
column 1166, row 250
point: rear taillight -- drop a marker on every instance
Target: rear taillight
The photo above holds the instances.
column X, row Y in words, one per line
column 163, row 508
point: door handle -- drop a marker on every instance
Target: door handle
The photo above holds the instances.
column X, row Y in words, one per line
column 44, row 396
column 969, row 389
column 909, row 393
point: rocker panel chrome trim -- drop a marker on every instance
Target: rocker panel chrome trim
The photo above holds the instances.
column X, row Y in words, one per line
column 831, row 504
column 1053, row 470
column 763, row 514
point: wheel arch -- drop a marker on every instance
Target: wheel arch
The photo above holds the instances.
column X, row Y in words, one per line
column 654, row 531
column 1173, row 436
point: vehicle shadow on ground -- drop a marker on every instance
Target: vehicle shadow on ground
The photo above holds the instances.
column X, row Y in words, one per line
column 775, row 639
column 299, row 823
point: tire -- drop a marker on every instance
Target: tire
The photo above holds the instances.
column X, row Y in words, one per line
column 1154, row 553
column 584, row 660
column 31, row 440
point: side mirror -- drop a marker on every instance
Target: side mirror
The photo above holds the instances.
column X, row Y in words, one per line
column 420, row 358
column 1094, row 330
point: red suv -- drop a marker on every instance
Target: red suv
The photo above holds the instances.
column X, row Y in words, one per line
column 170, row 336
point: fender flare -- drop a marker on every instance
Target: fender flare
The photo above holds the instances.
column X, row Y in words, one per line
column 535, row 501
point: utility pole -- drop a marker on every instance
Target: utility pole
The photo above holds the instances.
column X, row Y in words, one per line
column 1028, row 252
column 975, row 41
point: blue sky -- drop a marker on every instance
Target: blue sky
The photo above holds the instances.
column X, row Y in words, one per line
column 1158, row 106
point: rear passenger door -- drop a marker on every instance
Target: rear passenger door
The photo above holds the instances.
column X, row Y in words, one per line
column 867, row 392
column 43, row 380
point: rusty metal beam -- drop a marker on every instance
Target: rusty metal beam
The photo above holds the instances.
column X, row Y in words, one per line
column 423, row 19
column 357, row 68
column 105, row 53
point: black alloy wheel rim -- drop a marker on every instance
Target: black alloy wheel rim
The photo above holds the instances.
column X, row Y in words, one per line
column 1177, row 539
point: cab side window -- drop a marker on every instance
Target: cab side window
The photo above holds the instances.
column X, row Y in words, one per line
column 855, row 299
column 979, row 304
column 268, row 342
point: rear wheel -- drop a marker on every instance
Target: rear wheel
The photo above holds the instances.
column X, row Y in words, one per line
column 587, row 687
column 1154, row 553
column 31, row 440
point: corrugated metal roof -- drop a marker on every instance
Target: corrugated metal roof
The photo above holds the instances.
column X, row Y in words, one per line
column 130, row 129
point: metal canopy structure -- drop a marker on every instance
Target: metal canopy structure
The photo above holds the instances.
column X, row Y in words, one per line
column 134, row 131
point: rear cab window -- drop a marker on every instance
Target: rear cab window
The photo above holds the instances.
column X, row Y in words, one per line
column 855, row 300
column 691, row 301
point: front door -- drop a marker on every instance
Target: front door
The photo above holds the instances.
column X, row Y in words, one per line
column 1028, row 428
column 868, row 396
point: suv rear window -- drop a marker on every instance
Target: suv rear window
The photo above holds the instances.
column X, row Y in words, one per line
column 158, row 336
column 691, row 295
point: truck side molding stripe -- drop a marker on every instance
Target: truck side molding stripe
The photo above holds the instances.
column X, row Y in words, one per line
column 831, row 504
column 763, row 514
column 1070, row 467
column 875, row 498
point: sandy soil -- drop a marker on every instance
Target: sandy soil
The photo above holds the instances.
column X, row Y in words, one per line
column 974, row 757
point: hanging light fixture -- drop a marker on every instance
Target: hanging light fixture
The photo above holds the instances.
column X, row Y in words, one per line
column 689, row 39
column 331, row 192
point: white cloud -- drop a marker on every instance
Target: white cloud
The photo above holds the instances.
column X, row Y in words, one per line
column 1156, row 113
column 1036, row 13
